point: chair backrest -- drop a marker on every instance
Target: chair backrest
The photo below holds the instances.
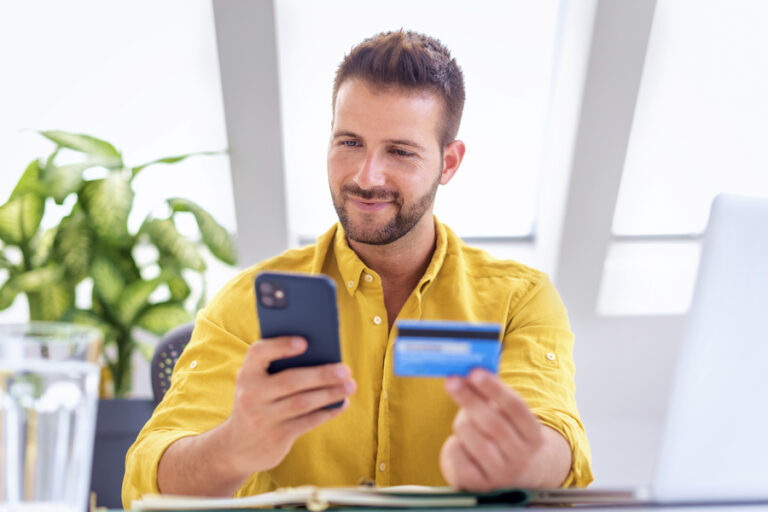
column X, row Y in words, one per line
column 164, row 359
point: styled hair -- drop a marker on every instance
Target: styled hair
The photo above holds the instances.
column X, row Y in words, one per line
column 412, row 61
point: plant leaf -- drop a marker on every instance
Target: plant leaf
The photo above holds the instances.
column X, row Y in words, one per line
column 55, row 300
column 101, row 152
column 38, row 279
column 214, row 235
column 108, row 202
column 170, row 160
column 64, row 180
column 29, row 183
column 83, row 317
column 20, row 217
column 8, row 294
column 134, row 298
column 166, row 237
column 108, row 281
column 73, row 245
column 161, row 318
column 42, row 247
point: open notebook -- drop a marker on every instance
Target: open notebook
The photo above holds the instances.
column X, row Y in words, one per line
column 320, row 498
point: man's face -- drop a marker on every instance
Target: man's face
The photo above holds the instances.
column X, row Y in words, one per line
column 384, row 160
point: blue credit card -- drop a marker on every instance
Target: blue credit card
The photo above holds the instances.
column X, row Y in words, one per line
column 441, row 349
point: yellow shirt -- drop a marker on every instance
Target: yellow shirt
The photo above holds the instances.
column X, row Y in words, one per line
column 394, row 427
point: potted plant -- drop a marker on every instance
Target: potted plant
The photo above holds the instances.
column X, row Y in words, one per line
column 93, row 245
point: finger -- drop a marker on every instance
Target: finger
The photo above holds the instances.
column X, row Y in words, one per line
column 303, row 424
column 304, row 403
column 296, row 380
column 488, row 419
column 261, row 353
column 485, row 451
column 511, row 404
column 466, row 472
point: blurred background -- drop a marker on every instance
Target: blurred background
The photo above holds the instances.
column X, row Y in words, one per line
column 597, row 134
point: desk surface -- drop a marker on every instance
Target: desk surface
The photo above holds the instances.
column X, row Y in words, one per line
column 763, row 507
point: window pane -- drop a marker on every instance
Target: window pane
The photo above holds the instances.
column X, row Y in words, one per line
column 701, row 118
column 648, row 278
column 505, row 50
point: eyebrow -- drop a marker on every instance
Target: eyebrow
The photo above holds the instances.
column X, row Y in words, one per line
column 402, row 142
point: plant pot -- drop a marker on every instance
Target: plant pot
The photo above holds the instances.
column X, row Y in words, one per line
column 118, row 422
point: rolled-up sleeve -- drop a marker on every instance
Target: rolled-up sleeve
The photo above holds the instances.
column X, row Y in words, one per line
column 537, row 361
column 201, row 393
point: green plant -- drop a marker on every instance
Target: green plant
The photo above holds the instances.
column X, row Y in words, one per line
column 93, row 244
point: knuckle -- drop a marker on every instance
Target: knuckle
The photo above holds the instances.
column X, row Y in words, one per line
column 496, row 427
column 299, row 403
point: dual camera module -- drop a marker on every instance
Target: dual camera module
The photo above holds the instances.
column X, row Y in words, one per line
column 272, row 295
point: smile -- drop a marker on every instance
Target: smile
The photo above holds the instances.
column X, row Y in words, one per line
column 369, row 206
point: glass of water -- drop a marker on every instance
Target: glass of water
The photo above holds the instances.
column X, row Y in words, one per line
column 49, row 386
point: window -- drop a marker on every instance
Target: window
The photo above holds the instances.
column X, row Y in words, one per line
column 699, row 129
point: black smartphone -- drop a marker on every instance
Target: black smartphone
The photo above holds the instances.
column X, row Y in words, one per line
column 303, row 305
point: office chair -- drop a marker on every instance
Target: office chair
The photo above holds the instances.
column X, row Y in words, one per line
column 164, row 359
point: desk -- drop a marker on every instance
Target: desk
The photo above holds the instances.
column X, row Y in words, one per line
column 762, row 507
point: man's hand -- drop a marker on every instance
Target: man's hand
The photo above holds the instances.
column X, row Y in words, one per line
column 269, row 412
column 497, row 441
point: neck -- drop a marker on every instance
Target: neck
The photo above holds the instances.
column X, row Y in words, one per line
column 407, row 256
column 400, row 264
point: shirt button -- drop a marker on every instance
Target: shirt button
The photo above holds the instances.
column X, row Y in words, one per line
column 377, row 320
column 351, row 284
column 382, row 466
column 368, row 278
column 551, row 356
column 193, row 364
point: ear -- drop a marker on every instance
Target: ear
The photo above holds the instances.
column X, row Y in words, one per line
column 453, row 154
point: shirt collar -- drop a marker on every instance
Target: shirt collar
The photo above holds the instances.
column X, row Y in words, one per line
column 351, row 267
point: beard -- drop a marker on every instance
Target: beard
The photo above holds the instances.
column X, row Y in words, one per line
column 405, row 218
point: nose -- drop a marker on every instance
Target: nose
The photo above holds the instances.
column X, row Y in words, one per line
column 370, row 174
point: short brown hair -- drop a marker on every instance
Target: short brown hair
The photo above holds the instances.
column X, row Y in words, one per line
column 413, row 61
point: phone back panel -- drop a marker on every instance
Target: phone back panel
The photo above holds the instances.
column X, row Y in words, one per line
column 309, row 310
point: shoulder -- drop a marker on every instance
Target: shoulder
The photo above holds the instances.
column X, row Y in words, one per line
column 515, row 284
column 479, row 264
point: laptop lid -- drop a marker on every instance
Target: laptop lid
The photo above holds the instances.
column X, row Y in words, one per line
column 715, row 440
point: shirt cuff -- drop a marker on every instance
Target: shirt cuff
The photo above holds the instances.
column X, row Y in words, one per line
column 580, row 474
column 142, row 460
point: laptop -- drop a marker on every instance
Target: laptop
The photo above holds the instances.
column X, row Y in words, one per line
column 714, row 446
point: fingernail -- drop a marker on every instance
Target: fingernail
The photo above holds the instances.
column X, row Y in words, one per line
column 341, row 371
column 349, row 386
column 297, row 343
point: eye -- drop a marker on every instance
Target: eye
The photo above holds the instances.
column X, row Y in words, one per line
column 401, row 152
column 349, row 143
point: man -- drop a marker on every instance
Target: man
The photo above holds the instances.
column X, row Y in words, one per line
column 227, row 427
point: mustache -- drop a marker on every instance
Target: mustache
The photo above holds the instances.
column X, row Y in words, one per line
column 374, row 193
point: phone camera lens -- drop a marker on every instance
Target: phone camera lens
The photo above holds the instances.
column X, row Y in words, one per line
column 267, row 300
column 279, row 294
column 266, row 287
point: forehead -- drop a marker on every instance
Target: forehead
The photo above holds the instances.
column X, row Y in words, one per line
column 363, row 107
